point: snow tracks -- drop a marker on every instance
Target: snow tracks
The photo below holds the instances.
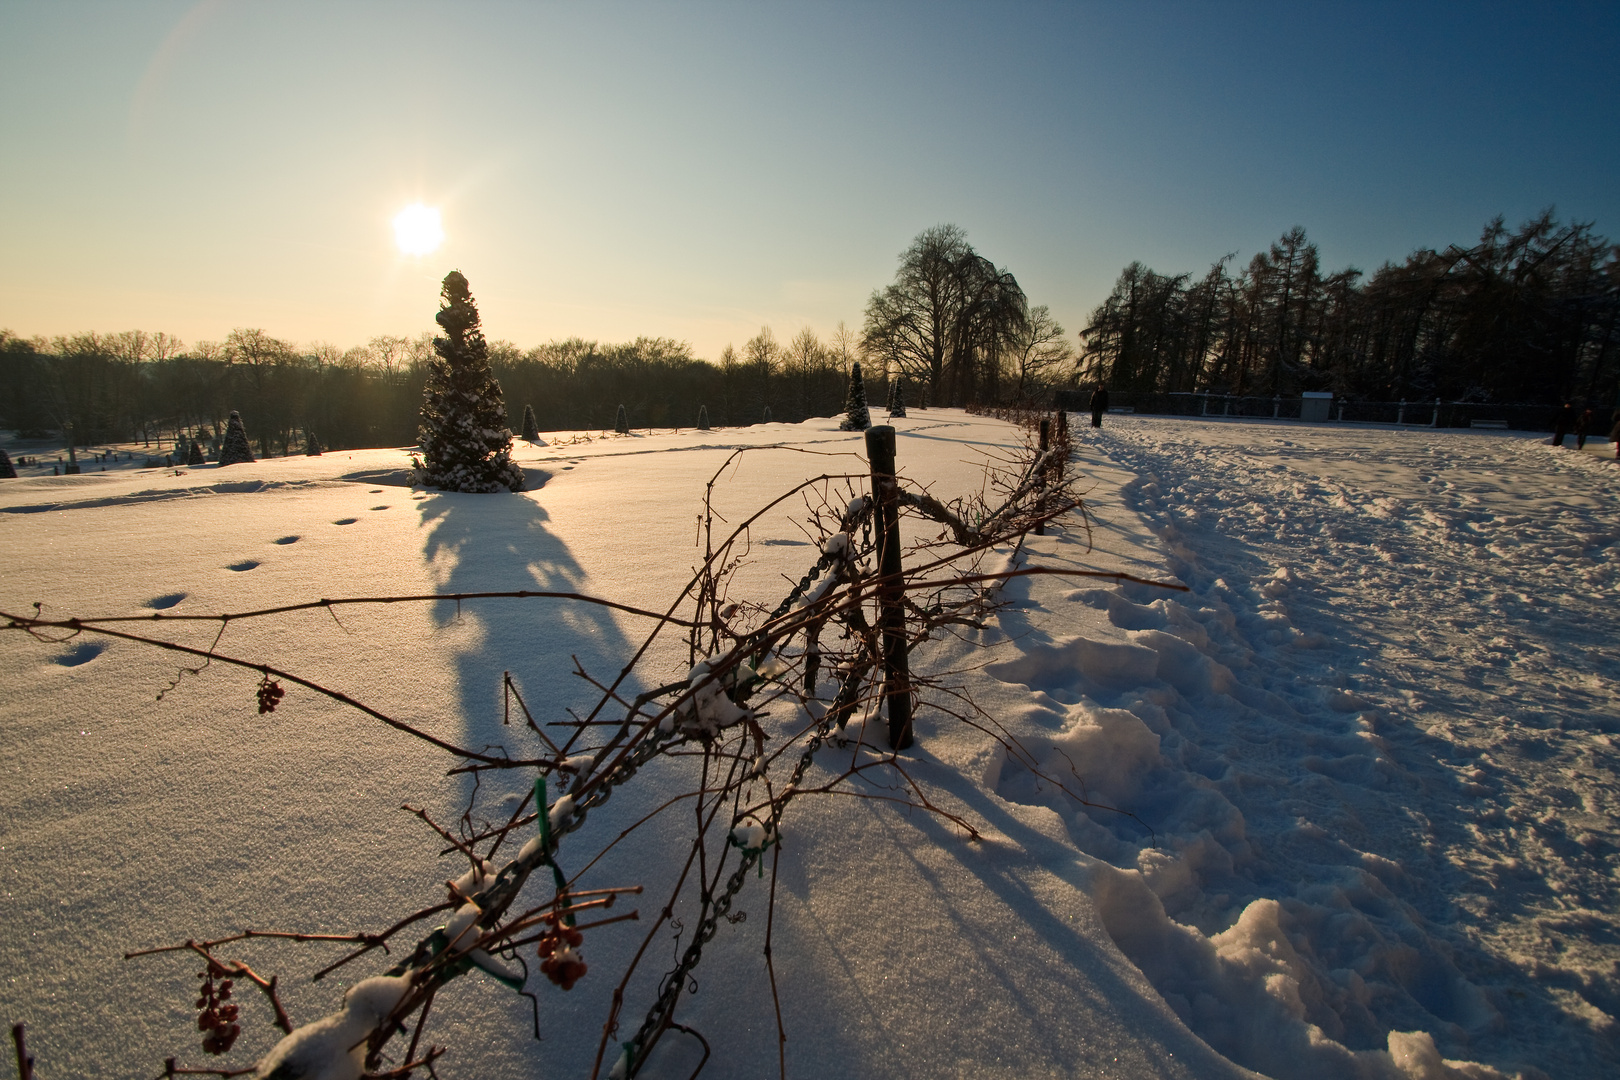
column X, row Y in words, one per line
column 1368, row 760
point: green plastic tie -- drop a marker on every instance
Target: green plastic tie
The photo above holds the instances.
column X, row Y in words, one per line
column 545, row 840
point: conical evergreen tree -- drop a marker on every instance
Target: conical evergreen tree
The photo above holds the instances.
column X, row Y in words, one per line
column 312, row 446
column 235, row 450
column 466, row 445
column 531, row 427
column 621, row 423
column 897, row 398
column 8, row 471
column 856, row 415
column 767, row 418
column 703, row 418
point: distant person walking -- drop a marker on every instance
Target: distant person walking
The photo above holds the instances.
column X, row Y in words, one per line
column 1566, row 417
column 1580, row 428
column 1099, row 404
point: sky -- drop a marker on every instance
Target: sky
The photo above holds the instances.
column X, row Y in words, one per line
column 697, row 171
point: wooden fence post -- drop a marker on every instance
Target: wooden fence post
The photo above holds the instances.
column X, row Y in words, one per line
column 880, row 447
column 1046, row 442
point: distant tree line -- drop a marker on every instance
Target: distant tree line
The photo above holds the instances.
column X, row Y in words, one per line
column 1521, row 316
column 953, row 326
column 150, row 387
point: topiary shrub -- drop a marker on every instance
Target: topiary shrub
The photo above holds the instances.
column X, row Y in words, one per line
column 856, row 415
column 234, row 451
column 703, row 418
column 466, row 445
column 621, row 423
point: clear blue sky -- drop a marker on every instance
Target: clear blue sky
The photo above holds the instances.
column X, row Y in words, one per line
column 698, row 170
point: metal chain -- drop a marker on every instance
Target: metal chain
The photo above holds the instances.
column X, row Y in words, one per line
column 675, row 980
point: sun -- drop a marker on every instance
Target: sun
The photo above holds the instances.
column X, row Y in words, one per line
column 417, row 230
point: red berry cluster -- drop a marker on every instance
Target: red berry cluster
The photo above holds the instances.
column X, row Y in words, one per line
column 558, row 960
column 216, row 1016
column 270, row 695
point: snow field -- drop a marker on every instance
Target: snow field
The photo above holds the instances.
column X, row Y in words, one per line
column 1312, row 875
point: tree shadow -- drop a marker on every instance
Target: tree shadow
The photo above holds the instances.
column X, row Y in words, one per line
column 501, row 543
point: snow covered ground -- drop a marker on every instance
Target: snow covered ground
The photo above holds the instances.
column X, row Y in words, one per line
column 1368, row 759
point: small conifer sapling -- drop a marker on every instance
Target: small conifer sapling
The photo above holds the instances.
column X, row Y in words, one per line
column 703, row 418
column 235, row 450
column 621, row 423
column 531, row 427
column 312, row 446
column 8, row 471
column 466, row 445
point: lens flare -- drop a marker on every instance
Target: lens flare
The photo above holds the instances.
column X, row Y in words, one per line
column 417, row 230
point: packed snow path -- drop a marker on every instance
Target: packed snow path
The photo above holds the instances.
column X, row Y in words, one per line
column 1408, row 741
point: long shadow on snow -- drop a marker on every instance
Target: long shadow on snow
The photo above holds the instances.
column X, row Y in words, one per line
column 500, row 543
column 942, row 860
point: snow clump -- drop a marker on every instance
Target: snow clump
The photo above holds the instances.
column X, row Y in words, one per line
column 334, row 1047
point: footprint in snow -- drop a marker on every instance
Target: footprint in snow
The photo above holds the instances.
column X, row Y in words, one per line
column 82, row 653
column 384, row 507
column 166, row 601
column 245, row 564
column 286, row 540
column 345, row 521
column 375, row 491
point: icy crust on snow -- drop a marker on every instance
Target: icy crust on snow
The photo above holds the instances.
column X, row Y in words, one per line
column 1378, row 777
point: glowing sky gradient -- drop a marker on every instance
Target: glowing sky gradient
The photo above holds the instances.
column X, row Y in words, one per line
column 697, row 171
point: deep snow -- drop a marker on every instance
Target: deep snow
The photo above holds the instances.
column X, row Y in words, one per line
column 1368, row 758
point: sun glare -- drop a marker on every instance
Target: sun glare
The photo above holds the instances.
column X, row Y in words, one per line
column 417, row 230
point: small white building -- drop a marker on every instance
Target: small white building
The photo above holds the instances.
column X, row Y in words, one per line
column 1315, row 406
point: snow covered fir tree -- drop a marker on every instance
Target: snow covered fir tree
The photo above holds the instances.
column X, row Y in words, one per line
column 235, row 450
column 897, row 398
column 466, row 445
column 856, row 415
column 531, row 427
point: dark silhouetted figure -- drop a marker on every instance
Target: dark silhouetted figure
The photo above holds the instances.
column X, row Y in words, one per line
column 1581, row 425
column 1561, row 426
column 1099, row 404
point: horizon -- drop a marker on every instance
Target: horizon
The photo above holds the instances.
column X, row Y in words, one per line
column 696, row 173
